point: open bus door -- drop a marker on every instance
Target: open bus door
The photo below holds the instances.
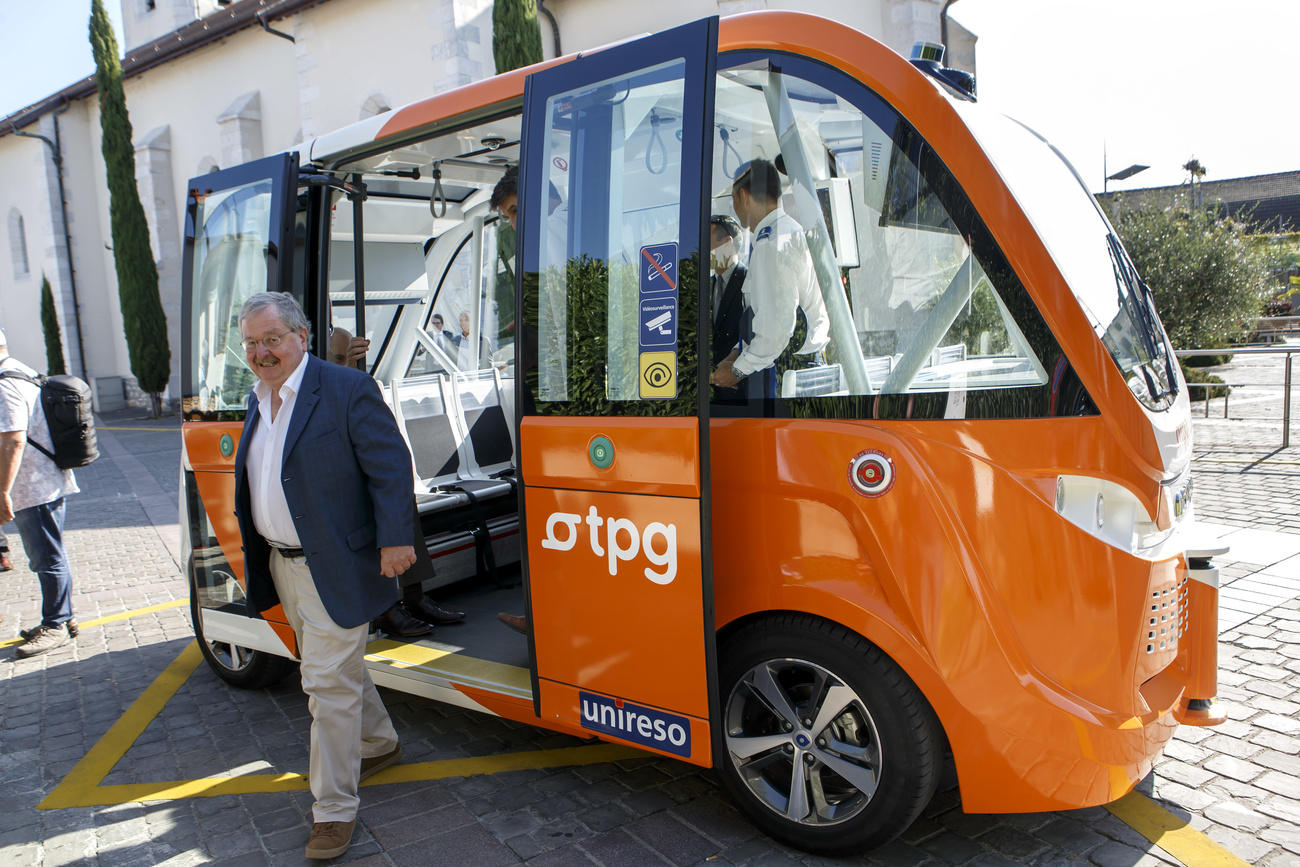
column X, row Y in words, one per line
column 613, row 397
column 239, row 241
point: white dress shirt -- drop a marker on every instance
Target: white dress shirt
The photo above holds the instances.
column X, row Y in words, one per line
column 271, row 514
column 780, row 280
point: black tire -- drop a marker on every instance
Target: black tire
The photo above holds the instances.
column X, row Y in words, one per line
column 238, row 666
column 868, row 763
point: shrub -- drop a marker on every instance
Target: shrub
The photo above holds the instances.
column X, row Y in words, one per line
column 1209, row 280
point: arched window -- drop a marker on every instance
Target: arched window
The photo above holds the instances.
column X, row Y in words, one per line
column 18, row 243
column 375, row 104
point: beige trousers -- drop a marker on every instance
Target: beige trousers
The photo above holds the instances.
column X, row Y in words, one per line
column 348, row 719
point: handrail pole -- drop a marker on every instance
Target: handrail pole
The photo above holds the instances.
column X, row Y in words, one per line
column 1286, row 403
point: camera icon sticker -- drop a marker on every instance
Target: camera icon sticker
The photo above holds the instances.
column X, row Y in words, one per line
column 658, row 379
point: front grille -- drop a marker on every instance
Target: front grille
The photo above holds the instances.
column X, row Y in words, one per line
column 1167, row 619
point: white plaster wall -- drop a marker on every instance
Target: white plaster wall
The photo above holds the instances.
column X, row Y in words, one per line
column 22, row 185
column 589, row 23
column 348, row 51
column 101, row 319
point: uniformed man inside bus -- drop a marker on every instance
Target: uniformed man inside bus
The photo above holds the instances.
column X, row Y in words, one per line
column 785, row 326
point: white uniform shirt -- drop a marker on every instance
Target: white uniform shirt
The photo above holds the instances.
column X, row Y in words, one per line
column 271, row 514
column 780, row 280
column 39, row 480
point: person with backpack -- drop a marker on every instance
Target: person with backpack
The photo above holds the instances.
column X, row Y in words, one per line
column 32, row 491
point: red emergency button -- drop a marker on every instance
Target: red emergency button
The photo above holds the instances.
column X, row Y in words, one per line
column 871, row 473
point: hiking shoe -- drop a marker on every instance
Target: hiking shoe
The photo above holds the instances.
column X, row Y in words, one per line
column 28, row 634
column 329, row 839
column 46, row 638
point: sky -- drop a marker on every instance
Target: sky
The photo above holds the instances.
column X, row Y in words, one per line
column 1142, row 81
column 1155, row 82
column 46, row 47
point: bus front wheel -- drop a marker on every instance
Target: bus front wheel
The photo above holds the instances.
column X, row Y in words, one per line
column 824, row 741
column 238, row 666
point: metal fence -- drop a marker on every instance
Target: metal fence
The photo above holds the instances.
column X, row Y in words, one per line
column 1238, row 379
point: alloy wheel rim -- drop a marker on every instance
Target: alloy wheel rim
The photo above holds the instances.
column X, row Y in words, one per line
column 803, row 742
column 232, row 657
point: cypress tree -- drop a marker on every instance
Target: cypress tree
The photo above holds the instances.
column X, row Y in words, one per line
column 516, row 36
column 137, row 277
column 50, row 325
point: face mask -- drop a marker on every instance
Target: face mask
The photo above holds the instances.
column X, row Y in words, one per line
column 721, row 256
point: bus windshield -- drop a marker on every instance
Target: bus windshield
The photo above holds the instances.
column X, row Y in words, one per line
column 1085, row 247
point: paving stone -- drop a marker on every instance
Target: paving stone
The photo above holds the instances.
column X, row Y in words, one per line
column 1280, row 783
column 1278, row 723
column 1236, row 816
column 1234, row 768
column 1275, row 741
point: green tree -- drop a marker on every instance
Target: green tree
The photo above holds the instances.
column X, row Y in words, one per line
column 137, row 277
column 1209, row 280
column 516, row 36
column 50, row 325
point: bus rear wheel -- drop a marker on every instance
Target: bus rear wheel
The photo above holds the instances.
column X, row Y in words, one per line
column 824, row 742
column 238, row 666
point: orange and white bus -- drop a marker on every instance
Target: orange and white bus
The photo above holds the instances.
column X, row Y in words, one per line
column 962, row 538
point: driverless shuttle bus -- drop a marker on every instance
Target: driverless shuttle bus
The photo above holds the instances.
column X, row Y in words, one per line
column 958, row 534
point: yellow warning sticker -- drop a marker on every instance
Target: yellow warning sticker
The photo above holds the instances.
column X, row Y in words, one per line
column 658, row 375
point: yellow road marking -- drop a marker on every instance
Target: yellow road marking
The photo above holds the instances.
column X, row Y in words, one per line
column 82, row 785
column 1171, row 833
column 111, row 618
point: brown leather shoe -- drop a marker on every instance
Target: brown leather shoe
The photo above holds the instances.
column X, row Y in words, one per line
column 329, row 839
column 517, row 622
column 375, row 764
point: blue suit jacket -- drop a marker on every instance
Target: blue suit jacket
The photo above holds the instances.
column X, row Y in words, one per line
column 347, row 479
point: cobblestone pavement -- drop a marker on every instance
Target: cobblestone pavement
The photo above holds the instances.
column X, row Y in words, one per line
column 1239, row 783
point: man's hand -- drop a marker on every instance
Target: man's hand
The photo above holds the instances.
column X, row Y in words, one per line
column 6, row 508
column 724, row 375
column 396, row 559
column 357, row 349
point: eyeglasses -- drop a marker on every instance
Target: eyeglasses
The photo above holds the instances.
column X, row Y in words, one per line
column 271, row 341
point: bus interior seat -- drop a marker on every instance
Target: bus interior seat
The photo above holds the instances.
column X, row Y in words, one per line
column 822, row 381
column 948, row 354
column 430, row 434
column 487, row 446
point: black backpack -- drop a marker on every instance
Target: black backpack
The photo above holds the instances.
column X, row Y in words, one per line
column 69, row 417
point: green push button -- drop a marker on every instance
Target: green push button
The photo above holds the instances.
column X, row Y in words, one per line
column 227, row 445
column 601, row 452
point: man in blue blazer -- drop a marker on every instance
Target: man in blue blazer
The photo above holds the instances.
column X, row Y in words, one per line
column 323, row 486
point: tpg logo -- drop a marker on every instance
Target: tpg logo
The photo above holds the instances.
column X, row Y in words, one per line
column 623, row 541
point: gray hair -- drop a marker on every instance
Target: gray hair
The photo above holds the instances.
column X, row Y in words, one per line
column 285, row 305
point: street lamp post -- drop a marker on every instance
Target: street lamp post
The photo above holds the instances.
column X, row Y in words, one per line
column 1122, row 174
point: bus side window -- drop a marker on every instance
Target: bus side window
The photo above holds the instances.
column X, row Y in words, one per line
column 913, row 298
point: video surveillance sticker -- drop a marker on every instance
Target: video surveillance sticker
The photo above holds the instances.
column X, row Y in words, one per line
column 658, row 380
column 658, row 322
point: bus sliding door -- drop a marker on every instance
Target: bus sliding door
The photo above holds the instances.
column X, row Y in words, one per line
column 612, row 399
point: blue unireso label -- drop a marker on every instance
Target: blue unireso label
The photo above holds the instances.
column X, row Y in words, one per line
column 647, row 726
